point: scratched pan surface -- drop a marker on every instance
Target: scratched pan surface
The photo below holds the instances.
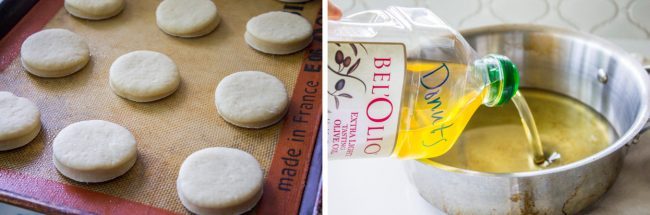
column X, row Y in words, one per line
column 168, row 130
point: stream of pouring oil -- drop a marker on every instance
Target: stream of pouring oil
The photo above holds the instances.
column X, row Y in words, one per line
column 532, row 133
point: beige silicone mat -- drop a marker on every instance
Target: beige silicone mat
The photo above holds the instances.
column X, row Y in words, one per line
column 168, row 130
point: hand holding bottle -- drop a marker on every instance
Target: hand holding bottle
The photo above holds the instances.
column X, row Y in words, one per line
column 334, row 13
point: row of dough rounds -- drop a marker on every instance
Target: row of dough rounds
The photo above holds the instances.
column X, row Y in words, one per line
column 211, row 181
column 272, row 33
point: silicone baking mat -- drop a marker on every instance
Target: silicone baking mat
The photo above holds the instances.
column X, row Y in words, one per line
column 167, row 131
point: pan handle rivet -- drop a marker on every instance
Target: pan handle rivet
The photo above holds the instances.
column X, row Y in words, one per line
column 602, row 76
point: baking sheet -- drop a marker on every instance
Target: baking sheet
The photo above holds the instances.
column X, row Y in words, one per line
column 168, row 130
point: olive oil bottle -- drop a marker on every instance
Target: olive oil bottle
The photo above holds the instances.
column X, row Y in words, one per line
column 404, row 84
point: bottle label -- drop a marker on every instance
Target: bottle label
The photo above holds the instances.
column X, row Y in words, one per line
column 365, row 91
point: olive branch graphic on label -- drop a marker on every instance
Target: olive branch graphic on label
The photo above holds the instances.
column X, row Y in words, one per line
column 345, row 68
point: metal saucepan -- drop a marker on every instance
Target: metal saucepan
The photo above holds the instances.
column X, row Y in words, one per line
column 575, row 64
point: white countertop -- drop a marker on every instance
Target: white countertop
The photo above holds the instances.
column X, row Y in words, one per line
column 373, row 186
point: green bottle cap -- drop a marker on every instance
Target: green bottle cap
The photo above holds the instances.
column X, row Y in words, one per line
column 504, row 77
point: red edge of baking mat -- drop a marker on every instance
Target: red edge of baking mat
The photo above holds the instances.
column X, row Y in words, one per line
column 51, row 197
column 285, row 183
column 283, row 188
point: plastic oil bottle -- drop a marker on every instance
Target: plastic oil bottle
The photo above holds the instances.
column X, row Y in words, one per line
column 402, row 83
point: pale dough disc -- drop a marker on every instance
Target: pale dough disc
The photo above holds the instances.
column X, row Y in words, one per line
column 20, row 121
column 144, row 76
column 94, row 151
column 278, row 33
column 251, row 99
column 94, row 9
column 187, row 18
column 220, row 181
column 54, row 53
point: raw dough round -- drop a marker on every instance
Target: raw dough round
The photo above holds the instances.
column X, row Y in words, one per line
column 54, row 53
column 251, row 99
column 20, row 121
column 187, row 18
column 94, row 151
column 278, row 33
column 220, row 181
column 144, row 76
column 94, row 9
